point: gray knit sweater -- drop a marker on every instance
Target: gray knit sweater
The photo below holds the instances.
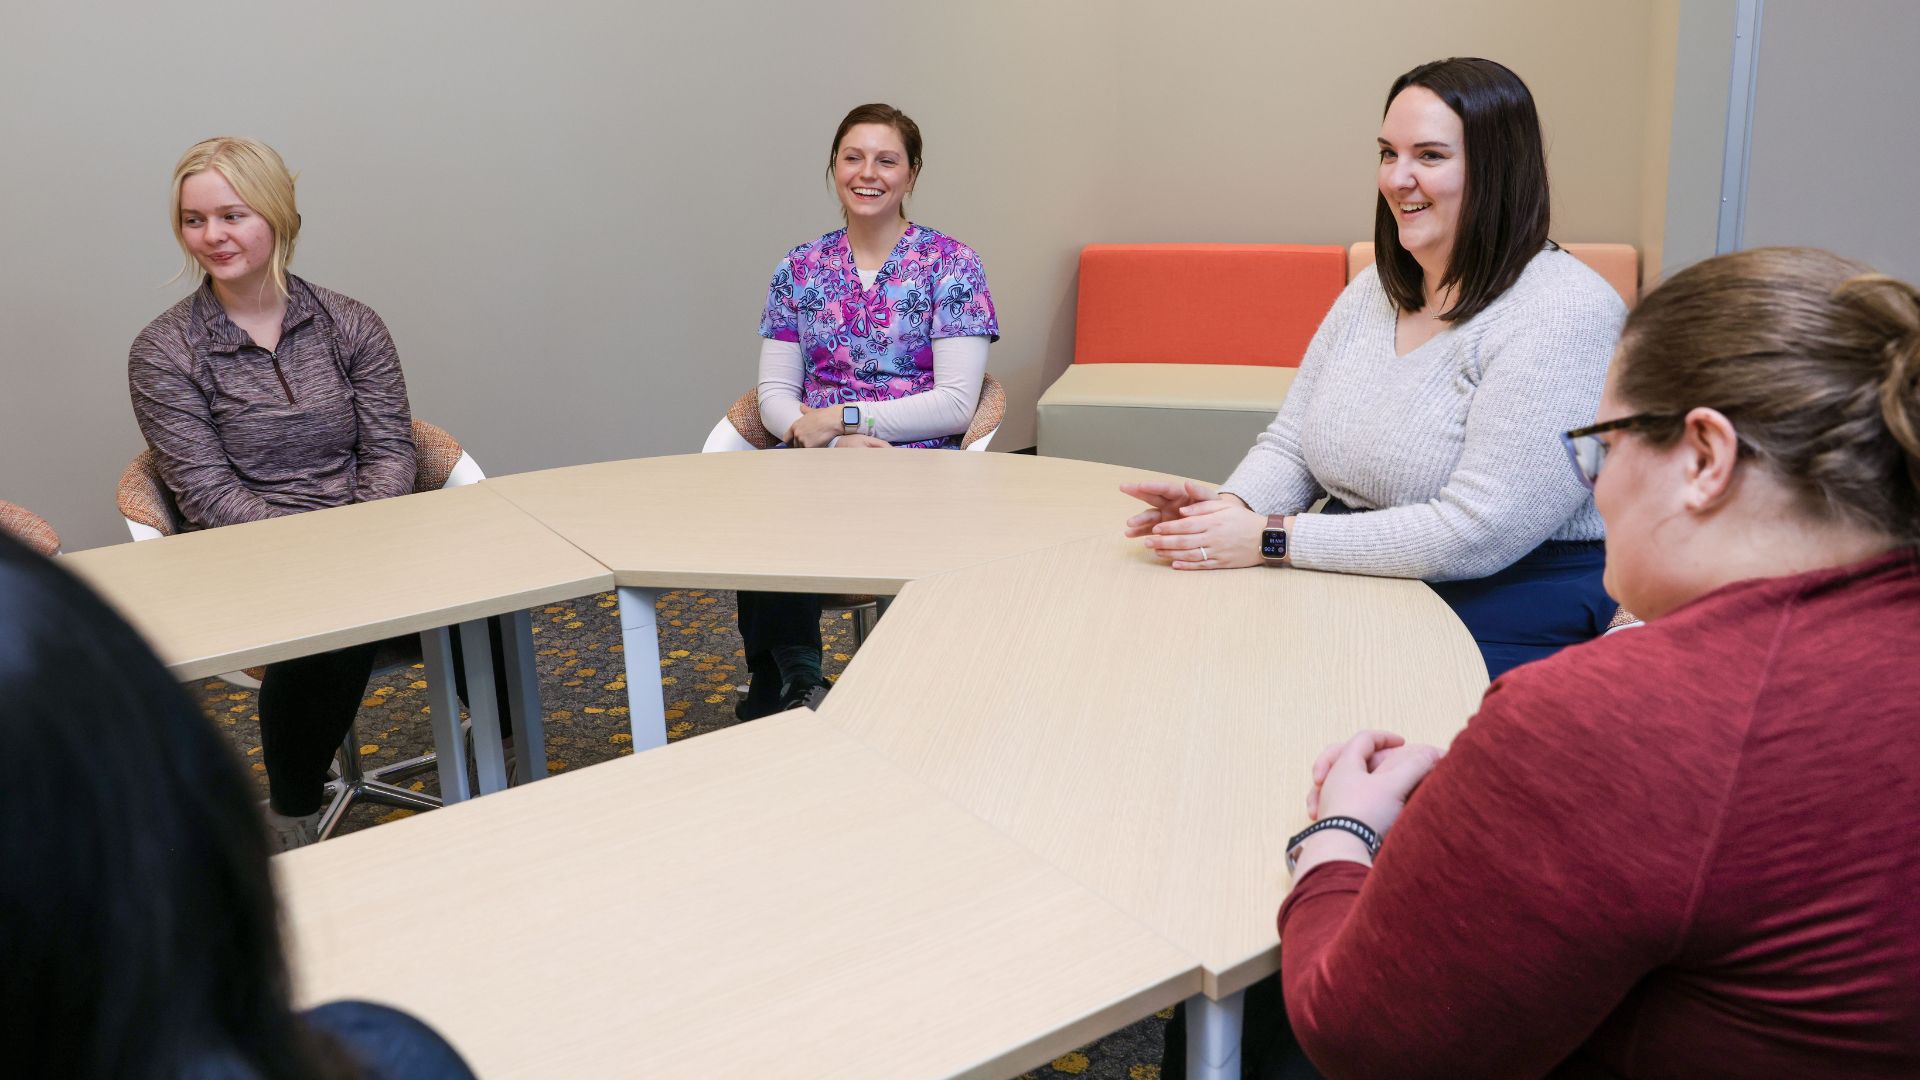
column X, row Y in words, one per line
column 1455, row 446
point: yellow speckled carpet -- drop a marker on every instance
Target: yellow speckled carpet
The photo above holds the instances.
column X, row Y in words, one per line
column 584, row 692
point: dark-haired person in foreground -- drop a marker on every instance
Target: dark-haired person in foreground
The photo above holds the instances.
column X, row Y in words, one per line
column 1689, row 850
column 137, row 920
column 1432, row 392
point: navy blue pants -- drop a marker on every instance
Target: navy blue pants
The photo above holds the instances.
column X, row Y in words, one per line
column 1550, row 599
column 382, row 1042
column 387, row 1043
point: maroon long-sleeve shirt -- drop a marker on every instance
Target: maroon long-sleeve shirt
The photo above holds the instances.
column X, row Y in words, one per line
column 1687, row 850
column 242, row 433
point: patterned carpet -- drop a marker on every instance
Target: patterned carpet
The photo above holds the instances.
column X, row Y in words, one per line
column 584, row 692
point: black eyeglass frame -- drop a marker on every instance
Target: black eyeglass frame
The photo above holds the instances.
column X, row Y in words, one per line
column 1573, row 440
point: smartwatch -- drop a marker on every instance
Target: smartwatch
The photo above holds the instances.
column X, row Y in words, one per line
column 849, row 419
column 1273, row 541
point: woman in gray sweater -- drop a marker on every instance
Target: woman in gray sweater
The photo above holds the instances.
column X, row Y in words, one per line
column 1428, row 406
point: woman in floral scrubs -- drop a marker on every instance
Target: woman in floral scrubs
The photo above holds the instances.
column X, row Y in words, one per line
column 886, row 314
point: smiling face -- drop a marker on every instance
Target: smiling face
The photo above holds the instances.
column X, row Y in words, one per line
column 231, row 242
column 871, row 173
column 1423, row 172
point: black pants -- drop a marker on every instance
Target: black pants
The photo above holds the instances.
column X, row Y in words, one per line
column 769, row 620
column 1268, row 1050
column 307, row 705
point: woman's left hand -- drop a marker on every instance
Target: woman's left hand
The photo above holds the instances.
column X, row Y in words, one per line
column 1218, row 534
column 861, row 442
column 816, row 427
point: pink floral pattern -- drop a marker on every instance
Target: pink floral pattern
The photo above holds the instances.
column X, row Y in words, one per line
column 877, row 344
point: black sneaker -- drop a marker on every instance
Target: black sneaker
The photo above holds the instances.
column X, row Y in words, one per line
column 802, row 694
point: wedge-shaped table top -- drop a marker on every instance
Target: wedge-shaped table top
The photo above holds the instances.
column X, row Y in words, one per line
column 768, row 900
column 816, row 521
column 234, row 597
column 1150, row 731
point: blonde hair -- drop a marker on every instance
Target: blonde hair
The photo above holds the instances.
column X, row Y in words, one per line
column 1815, row 359
column 261, row 180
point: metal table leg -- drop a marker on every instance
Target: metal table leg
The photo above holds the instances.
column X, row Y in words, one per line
column 640, row 641
column 1213, row 1037
column 483, row 708
column 523, row 696
column 449, row 747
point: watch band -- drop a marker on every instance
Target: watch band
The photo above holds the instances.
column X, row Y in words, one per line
column 1344, row 824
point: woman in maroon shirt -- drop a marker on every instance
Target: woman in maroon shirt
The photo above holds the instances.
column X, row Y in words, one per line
column 263, row 395
column 1688, row 849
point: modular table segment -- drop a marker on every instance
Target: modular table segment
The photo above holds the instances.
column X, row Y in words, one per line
column 798, row 521
column 233, row 597
column 768, row 900
column 811, row 521
column 1149, row 731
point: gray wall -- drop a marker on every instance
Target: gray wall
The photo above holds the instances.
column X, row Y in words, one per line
column 1683, row 214
column 1835, row 162
column 568, row 212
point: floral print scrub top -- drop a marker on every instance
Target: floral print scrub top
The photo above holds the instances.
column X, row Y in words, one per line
column 877, row 344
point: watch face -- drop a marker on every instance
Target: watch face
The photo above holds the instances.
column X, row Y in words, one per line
column 850, row 414
column 1273, row 543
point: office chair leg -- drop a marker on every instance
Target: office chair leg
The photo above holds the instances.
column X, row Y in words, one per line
column 354, row 785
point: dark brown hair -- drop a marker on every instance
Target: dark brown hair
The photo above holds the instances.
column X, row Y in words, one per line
column 1814, row 358
column 1503, row 217
column 879, row 113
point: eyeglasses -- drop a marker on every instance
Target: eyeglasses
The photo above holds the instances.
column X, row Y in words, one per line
column 1588, row 453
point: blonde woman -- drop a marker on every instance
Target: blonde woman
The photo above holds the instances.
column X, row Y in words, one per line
column 265, row 395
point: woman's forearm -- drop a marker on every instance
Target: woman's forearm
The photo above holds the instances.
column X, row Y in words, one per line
column 959, row 366
column 781, row 369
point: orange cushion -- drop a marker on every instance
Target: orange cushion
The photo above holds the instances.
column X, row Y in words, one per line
column 1255, row 304
column 1618, row 263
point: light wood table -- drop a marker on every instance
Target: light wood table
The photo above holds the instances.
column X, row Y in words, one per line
column 806, row 521
column 768, row 900
column 1149, row 731
column 250, row 594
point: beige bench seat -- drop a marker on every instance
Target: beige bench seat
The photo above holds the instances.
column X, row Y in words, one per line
column 1194, row 420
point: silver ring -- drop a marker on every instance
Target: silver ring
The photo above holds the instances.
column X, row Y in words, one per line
column 1204, row 557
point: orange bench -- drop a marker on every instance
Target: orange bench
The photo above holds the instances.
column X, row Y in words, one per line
column 1618, row 263
column 1183, row 352
column 1203, row 303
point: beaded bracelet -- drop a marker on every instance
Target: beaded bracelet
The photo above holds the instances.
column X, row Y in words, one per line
column 1344, row 824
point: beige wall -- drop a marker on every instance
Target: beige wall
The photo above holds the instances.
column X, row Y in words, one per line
column 1663, row 33
column 568, row 212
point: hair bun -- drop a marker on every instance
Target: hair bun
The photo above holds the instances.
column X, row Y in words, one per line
column 1895, row 306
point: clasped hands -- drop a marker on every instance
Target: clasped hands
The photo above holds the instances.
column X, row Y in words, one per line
column 1194, row 527
column 818, row 426
column 1368, row 778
